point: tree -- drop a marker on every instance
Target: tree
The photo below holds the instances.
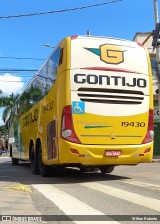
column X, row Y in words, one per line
column 3, row 131
column 29, row 98
column 1, row 98
column 8, row 104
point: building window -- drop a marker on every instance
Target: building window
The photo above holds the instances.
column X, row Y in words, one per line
column 154, row 67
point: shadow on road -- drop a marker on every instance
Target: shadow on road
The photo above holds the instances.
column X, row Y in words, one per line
column 21, row 173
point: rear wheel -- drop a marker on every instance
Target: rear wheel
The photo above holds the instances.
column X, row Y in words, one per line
column 10, row 151
column 15, row 161
column 43, row 169
column 34, row 162
column 106, row 169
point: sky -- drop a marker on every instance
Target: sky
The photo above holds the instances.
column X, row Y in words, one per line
column 22, row 38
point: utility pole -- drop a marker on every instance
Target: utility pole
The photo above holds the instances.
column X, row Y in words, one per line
column 88, row 33
column 157, row 49
column 156, row 21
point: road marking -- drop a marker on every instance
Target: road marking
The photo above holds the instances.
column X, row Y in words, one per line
column 69, row 204
column 145, row 173
column 148, row 202
column 142, row 184
column 19, row 187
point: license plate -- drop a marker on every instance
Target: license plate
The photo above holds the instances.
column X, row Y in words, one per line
column 113, row 153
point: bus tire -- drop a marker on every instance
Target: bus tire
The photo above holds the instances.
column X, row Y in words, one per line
column 34, row 162
column 15, row 161
column 43, row 169
column 10, row 151
column 106, row 169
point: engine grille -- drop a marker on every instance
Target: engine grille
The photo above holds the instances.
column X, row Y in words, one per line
column 110, row 96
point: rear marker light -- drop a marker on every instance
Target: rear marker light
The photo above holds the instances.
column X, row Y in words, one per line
column 74, row 37
column 74, row 151
column 147, row 150
column 139, row 44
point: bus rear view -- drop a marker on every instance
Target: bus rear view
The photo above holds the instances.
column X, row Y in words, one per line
column 109, row 120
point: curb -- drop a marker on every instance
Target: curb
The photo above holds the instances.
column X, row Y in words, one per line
column 156, row 159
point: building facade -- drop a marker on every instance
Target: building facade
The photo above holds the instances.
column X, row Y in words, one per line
column 142, row 38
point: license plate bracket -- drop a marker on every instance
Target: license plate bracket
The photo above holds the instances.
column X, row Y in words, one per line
column 113, row 153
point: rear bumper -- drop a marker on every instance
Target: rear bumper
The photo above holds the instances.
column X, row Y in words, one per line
column 95, row 154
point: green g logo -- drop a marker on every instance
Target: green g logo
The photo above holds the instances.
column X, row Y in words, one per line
column 111, row 54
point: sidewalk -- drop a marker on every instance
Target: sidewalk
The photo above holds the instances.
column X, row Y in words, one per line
column 16, row 201
column 156, row 159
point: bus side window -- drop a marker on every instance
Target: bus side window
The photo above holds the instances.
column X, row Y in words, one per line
column 53, row 64
column 61, row 56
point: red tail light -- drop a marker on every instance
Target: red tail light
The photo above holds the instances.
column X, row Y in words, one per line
column 150, row 132
column 67, row 129
column 74, row 37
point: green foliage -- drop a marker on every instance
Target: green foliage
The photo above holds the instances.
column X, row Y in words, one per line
column 8, row 104
column 3, row 130
column 15, row 106
column 28, row 99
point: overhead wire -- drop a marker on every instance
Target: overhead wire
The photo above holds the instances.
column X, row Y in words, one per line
column 21, row 58
column 19, row 74
column 59, row 11
column 12, row 81
column 17, row 70
column 37, row 14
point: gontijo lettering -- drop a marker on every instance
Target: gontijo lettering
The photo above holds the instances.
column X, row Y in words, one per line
column 30, row 118
column 109, row 80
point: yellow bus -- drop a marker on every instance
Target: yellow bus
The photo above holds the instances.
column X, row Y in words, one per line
column 90, row 106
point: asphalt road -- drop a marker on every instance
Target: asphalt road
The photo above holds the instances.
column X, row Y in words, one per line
column 129, row 190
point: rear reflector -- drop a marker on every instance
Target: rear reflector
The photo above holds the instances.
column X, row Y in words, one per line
column 141, row 154
column 150, row 132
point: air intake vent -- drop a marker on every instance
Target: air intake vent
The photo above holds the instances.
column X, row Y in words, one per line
column 110, row 96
